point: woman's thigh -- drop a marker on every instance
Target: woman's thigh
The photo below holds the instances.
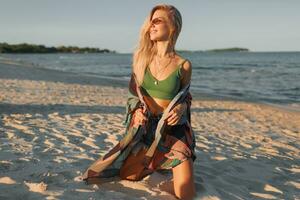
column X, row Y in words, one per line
column 183, row 178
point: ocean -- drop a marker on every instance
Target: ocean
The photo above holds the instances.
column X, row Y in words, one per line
column 266, row 77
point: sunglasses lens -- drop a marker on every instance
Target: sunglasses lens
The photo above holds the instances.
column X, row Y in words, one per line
column 156, row 21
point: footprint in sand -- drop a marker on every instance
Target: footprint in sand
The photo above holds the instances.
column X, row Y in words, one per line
column 7, row 180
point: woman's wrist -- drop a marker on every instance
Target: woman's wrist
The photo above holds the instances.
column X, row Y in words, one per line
column 183, row 106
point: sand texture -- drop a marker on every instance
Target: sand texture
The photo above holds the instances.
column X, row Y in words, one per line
column 53, row 125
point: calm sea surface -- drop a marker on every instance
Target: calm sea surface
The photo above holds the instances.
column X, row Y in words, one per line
column 270, row 77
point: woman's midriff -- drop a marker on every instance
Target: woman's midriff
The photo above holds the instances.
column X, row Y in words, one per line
column 155, row 105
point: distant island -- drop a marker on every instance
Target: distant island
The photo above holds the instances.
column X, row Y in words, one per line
column 233, row 49
column 229, row 49
column 32, row 48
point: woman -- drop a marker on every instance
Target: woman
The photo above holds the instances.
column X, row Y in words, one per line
column 159, row 75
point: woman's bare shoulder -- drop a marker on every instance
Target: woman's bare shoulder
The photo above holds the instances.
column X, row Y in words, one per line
column 186, row 64
column 186, row 70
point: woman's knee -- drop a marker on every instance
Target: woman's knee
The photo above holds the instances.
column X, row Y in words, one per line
column 185, row 191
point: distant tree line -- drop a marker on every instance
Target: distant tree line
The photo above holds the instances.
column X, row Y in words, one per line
column 32, row 48
column 229, row 49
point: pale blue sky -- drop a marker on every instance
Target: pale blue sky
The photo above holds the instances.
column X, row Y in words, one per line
column 260, row 25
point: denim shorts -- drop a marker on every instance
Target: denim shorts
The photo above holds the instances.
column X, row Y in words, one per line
column 151, row 126
column 176, row 130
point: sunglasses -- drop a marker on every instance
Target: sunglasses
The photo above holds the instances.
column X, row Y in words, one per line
column 157, row 21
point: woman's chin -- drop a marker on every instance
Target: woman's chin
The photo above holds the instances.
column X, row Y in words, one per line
column 153, row 38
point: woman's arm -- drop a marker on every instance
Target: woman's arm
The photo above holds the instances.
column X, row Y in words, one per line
column 186, row 72
column 176, row 113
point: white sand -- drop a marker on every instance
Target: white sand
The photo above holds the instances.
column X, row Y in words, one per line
column 51, row 131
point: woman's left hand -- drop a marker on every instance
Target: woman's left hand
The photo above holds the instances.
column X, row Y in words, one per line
column 175, row 114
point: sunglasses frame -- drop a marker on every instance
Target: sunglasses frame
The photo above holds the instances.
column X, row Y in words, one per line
column 157, row 21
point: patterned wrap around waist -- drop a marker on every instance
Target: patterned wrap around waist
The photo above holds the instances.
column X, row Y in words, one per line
column 176, row 145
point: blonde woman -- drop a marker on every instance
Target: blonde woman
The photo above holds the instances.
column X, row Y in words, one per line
column 161, row 72
column 161, row 77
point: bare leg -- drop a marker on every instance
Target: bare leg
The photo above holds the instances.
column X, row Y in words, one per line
column 184, row 186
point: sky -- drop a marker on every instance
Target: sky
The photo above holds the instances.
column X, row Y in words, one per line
column 259, row 25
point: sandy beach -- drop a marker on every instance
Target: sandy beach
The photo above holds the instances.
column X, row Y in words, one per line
column 54, row 124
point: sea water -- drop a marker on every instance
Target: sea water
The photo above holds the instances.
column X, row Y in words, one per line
column 268, row 77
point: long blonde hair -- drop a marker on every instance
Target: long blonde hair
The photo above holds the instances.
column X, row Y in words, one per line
column 146, row 48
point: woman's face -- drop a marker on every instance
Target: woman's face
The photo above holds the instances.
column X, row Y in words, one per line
column 159, row 29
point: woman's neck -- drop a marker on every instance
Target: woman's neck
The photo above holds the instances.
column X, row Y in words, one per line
column 164, row 50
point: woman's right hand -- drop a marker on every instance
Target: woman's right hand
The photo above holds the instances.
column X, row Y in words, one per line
column 140, row 116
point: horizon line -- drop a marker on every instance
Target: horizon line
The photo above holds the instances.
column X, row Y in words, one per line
column 118, row 52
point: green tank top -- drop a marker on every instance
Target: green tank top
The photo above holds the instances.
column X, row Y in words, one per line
column 162, row 89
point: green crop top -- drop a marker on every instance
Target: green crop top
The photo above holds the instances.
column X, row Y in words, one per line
column 164, row 89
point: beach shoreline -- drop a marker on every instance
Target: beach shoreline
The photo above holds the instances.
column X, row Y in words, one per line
column 54, row 124
column 30, row 71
